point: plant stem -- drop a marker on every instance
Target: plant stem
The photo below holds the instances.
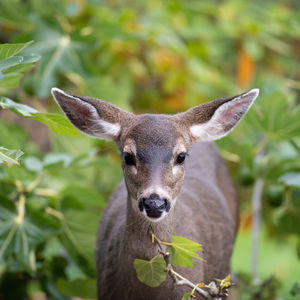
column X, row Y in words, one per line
column 195, row 287
column 166, row 243
column 154, row 258
column 256, row 220
column 174, row 275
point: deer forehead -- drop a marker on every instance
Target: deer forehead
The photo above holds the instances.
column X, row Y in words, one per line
column 154, row 138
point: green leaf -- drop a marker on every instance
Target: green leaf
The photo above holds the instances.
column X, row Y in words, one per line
column 289, row 222
column 22, row 109
column 183, row 250
column 20, row 236
column 186, row 296
column 57, row 159
column 10, row 80
column 291, row 179
column 87, row 196
column 10, row 156
column 18, row 60
column 82, row 288
column 9, row 50
column 295, row 290
column 81, row 231
column 9, row 62
column 33, row 164
column 273, row 117
column 61, row 54
column 57, row 123
column 151, row 272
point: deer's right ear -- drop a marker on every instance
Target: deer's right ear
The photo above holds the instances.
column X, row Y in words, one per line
column 213, row 120
column 93, row 117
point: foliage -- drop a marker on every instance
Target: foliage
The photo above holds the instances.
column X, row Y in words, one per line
column 151, row 272
column 10, row 156
column 154, row 272
column 183, row 250
column 154, row 56
column 265, row 290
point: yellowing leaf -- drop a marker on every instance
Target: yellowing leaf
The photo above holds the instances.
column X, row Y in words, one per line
column 245, row 69
column 151, row 273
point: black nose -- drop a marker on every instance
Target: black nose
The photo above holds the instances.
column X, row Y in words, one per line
column 154, row 205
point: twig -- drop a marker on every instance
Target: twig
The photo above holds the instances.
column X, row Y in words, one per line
column 213, row 293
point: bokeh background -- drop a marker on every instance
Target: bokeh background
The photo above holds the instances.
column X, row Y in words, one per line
column 160, row 56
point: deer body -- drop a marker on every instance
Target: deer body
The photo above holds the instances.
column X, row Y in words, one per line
column 199, row 204
column 122, row 238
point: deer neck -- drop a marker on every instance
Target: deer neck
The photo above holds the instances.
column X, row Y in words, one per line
column 137, row 238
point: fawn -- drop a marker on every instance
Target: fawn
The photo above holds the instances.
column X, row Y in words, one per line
column 156, row 150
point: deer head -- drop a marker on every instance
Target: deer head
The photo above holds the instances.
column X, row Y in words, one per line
column 154, row 147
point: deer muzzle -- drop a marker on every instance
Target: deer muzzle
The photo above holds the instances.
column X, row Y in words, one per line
column 154, row 206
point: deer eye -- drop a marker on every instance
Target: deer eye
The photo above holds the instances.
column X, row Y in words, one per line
column 128, row 158
column 180, row 158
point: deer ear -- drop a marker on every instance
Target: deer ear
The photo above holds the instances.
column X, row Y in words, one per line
column 93, row 117
column 213, row 120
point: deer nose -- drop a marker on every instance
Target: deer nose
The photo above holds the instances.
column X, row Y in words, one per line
column 154, row 205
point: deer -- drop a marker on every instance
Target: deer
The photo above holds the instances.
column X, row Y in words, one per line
column 174, row 181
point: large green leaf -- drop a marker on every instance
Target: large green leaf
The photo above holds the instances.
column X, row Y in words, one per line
column 11, row 66
column 151, row 272
column 10, row 62
column 273, row 117
column 81, row 231
column 10, row 81
column 18, row 60
column 86, row 196
column 183, row 251
column 61, row 54
column 289, row 222
column 11, row 69
column 9, row 50
column 57, row 123
column 10, row 156
column 20, row 235
column 22, row 109
column 83, row 288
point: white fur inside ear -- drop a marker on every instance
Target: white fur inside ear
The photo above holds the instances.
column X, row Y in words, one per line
column 101, row 129
column 110, row 129
column 225, row 118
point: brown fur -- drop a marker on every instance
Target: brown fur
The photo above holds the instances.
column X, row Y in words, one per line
column 201, row 214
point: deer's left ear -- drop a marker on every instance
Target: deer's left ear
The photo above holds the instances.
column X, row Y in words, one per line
column 213, row 120
column 92, row 116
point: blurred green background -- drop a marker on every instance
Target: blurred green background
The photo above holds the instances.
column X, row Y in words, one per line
column 160, row 56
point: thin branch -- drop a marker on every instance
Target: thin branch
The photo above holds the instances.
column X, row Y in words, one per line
column 214, row 293
column 195, row 287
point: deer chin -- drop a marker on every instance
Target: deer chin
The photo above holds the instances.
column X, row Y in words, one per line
column 155, row 220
